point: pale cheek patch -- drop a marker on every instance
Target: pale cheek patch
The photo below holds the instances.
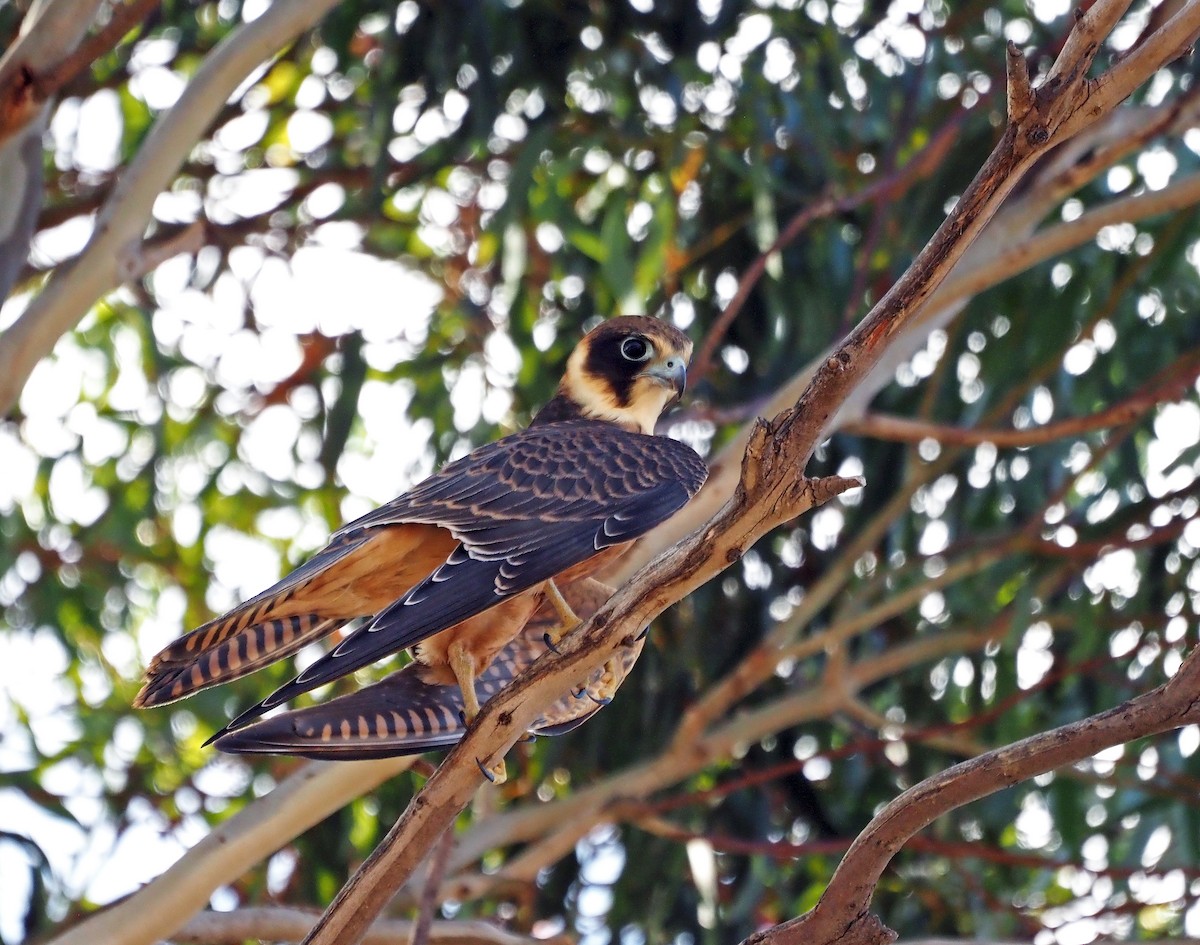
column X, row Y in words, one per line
column 647, row 400
column 590, row 393
column 595, row 397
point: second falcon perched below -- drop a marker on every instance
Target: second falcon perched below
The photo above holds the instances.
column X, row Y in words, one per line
column 455, row 568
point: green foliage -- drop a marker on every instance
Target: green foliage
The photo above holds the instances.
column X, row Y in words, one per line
column 522, row 168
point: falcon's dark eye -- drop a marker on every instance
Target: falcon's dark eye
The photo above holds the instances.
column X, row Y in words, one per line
column 636, row 349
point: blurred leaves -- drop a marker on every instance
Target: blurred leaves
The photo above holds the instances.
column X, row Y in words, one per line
column 513, row 171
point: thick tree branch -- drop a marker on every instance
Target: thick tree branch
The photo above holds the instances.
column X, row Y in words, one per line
column 552, row 829
column 1003, row 250
column 842, row 914
column 486, row 741
column 49, row 35
column 29, row 85
column 771, row 489
column 1069, row 168
column 74, row 288
column 161, row 907
column 763, row 503
column 284, row 924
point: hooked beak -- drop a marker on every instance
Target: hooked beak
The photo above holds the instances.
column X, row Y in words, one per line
column 671, row 373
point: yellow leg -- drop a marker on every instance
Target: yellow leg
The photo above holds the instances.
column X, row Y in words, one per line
column 604, row 688
column 462, row 663
column 568, row 620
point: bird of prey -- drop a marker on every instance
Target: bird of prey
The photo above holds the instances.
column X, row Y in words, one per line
column 407, row 713
column 454, row 568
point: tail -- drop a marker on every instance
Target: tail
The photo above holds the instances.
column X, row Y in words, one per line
column 400, row 715
column 224, row 649
column 405, row 715
column 355, row 575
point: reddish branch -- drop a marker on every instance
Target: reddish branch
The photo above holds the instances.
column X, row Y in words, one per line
column 1177, row 385
column 428, row 903
column 956, row 850
column 28, row 88
column 924, row 163
column 843, row 914
column 863, row 746
column 773, row 490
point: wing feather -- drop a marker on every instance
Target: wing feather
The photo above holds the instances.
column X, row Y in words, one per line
column 404, row 714
column 540, row 503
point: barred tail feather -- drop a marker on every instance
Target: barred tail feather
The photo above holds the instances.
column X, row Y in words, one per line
column 227, row 649
column 401, row 715
column 354, row 576
column 405, row 714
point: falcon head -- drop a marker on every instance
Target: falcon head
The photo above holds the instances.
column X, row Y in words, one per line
column 628, row 371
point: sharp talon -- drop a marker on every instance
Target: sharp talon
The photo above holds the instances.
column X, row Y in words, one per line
column 527, row 738
column 550, row 644
column 462, row 717
column 645, row 633
column 579, row 693
column 599, row 701
column 485, row 772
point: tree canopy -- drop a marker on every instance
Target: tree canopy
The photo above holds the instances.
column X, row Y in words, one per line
column 268, row 265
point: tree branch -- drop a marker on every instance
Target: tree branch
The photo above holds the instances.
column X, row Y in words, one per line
column 886, row 188
column 421, row 933
column 285, row 924
column 771, row 491
column 905, row 430
column 157, row 910
column 74, row 288
column 24, row 89
column 49, row 34
column 842, row 913
column 1055, row 240
column 1005, row 249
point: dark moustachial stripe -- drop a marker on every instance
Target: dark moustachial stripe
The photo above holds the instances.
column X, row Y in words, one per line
column 604, row 360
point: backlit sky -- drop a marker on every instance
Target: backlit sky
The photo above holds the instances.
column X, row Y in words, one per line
column 332, row 287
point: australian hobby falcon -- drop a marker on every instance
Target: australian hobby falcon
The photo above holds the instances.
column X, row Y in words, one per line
column 455, row 568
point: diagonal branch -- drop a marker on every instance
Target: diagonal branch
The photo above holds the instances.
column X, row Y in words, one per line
column 1177, row 384
column 884, row 189
column 29, row 85
column 50, row 32
column 306, row 797
column 123, row 219
column 842, row 913
column 286, row 924
column 771, row 489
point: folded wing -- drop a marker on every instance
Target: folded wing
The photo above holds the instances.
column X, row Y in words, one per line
column 404, row 714
column 524, row 509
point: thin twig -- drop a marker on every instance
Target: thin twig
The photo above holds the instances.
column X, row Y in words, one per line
column 887, row 188
column 307, row 796
column 72, row 289
column 124, row 17
column 429, row 895
column 905, row 430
